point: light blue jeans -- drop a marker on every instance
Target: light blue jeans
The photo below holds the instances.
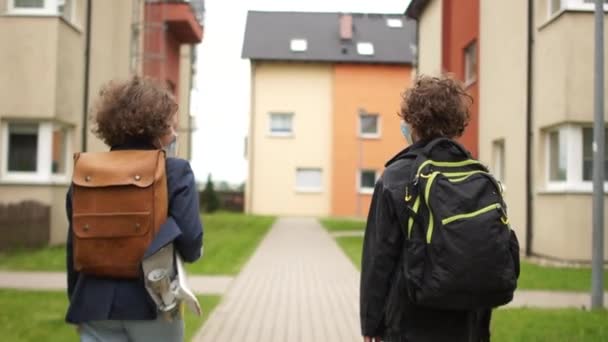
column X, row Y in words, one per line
column 133, row 331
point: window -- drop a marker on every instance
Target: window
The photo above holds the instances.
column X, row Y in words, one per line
column 281, row 124
column 308, row 180
column 367, row 181
column 34, row 152
column 558, row 155
column 394, row 23
column 22, row 147
column 470, row 63
column 29, row 3
column 498, row 168
column 570, row 158
column 298, row 45
column 588, row 154
column 63, row 8
column 555, row 6
column 369, row 126
column 365, row 49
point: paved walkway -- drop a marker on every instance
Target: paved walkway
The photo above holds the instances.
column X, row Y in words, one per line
column 553, row 299
column 213, row 285
column 298, row 286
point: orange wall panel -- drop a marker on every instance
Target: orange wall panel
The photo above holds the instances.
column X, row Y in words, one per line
column 375, row 89
column 460, row 28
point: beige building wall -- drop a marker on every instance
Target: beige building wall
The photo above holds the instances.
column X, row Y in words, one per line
column 430, row 38
column 502, row 99
column 43, row 79
column 289, row 87
column 563, row 91
column 27, row 62
column 110, row 50
column 185, row 88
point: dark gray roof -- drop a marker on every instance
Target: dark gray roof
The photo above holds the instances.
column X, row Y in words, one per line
column 268, row 36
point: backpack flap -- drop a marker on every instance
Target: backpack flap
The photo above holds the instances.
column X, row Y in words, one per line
column 111, row 226
column 116, row 168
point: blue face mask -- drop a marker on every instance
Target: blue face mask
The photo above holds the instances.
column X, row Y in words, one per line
column 406, row 131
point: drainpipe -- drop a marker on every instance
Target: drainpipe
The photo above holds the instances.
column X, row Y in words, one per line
column 87, row 64
column 529, row 132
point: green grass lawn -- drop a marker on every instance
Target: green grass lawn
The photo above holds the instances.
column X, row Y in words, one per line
column 39, row 316
column 539, row 325
column 533, row 277
column 230, row 239
column 43, row 259
column 336, row 225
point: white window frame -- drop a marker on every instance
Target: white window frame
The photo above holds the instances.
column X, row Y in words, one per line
column 309, row 189
column 280, row 134
column 378, row 133
column 44, row 156
column 49, row 9
column 366, row 190
column 499, row 156
column 574, row 161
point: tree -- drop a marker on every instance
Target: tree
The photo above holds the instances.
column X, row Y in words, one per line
column 211, row 201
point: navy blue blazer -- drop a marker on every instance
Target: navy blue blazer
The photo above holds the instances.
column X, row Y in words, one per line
column 92, row 298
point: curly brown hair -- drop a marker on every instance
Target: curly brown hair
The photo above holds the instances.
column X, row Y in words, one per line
column 436, row 107
column 136, row 109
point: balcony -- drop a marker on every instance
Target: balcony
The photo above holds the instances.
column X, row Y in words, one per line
column 181, row 17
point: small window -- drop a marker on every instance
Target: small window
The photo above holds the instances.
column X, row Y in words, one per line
column 22, row 147
column 470, row 63
column 588, row 154
column 366, row 49
column 309, row 179
column 29, row 4
column 298, row 45
column 281, row 124
column 558, row 156
column 368, row 126
column 367, row 181
column 59, row 151
column 394, row 23
column 499, row 160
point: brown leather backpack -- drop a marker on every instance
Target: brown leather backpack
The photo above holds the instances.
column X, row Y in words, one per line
column 119, row 201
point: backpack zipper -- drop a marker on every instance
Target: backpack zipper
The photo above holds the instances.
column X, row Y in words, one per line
column 495, row 206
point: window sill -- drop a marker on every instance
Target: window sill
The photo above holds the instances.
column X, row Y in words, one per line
column 370, row 136
column 580, row 188
column 72, row 25
column 34, row 182
column 309, row 190
column 280, row 135
column 579, row 8
column 366, row 191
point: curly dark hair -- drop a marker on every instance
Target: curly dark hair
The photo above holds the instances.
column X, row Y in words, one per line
column 436, row 107
column 136, row 109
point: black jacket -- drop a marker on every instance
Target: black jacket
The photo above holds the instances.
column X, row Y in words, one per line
column 385, row 306
column 93, row 298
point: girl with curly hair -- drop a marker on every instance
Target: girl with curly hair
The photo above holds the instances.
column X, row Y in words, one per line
column 137, row 114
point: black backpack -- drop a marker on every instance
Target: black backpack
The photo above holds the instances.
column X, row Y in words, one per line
column 460, row 252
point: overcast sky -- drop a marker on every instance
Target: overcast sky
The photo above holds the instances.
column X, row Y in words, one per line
column 220, row 100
